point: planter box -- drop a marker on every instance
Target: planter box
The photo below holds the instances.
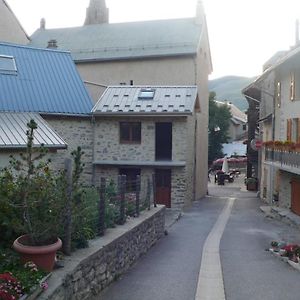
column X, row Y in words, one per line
column 252, row 186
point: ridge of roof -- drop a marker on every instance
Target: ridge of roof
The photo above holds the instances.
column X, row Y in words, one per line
column 114, row 24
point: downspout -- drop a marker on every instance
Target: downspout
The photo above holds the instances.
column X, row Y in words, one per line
column 93, row 120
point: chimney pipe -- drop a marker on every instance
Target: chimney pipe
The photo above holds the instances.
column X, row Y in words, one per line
column 131, row 82
column 43, row 23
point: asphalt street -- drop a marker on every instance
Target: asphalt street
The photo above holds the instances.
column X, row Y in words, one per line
column 170, row 270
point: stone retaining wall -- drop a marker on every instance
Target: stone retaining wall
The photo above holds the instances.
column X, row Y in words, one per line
column 88, row 271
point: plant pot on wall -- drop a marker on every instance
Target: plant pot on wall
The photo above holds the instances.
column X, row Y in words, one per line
column 42, row 256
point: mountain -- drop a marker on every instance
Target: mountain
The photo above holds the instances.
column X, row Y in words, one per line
column 229, row 88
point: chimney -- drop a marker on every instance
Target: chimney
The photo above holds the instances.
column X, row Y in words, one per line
column 131, row 82
column 43, row 23
column 297, row 33
column 52, row 44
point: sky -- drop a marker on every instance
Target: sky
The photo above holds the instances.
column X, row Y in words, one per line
column 243, row 34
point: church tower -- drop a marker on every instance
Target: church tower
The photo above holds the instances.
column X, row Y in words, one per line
column 200, row 14
column 96, row 13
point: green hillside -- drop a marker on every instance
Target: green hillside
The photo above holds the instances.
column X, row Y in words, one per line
column 229, row 88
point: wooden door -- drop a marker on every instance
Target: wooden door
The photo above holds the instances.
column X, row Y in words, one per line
column 163, row 187
column 295, row 201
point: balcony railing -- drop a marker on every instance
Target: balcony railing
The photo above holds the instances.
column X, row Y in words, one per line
column 288, row 158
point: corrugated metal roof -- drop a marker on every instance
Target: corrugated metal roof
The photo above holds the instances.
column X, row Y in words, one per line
column 46, row 81
column 125, row 40
column 166, row 100
column 13, row 127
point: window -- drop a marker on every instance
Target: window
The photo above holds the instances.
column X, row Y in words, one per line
column 292, row 87
column 131, row 178
column 146, row 94
column 7, row 64
column 278, row 93
column 130, row 132
column 295, row 130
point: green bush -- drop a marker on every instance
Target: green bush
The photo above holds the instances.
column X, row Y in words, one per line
column 85, row 217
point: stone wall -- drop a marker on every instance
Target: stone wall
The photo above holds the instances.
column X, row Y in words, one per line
column 75, row 131
column 108, row 147
column 88, row 271
column 285, row 190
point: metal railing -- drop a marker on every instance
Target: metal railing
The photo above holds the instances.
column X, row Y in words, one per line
column 291, row 159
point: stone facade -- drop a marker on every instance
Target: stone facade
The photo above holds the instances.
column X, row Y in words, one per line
column 108, row 148
column 285, row 190
column 76, row 131
column 88, row 271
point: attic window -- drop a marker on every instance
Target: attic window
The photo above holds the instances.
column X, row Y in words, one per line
column 7, row 64
column 146, row 94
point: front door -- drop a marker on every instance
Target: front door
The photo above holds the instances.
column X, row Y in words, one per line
column 163, row 187
column 295, row 201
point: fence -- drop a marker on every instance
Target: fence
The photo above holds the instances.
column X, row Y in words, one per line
column 111, row 204
column 123, row 200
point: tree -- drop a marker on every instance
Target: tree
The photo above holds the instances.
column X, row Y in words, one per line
column 218, row 125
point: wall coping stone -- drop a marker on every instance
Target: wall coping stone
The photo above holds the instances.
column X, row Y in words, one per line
column 80, row 256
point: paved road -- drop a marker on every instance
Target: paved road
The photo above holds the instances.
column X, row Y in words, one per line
column 170, row 270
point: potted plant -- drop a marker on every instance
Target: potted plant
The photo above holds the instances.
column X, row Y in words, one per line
column 31, row 186
column 251, row 183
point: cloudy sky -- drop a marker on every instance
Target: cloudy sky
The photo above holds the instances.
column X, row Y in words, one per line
column 243, row 33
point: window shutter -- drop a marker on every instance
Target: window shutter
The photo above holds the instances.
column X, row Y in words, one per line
column 298, row 130
column 289, row 130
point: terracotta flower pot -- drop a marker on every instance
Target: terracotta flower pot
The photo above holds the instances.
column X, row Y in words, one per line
column 42, row 256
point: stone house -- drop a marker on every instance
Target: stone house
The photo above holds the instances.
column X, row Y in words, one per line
column 43, row 84
column 145, row 130
column 159, row 52
column 277, row 94
column 10, row 28
column 238, row 122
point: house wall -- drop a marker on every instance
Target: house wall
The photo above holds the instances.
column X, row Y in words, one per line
column 203, row 68
column 285, row 190
column 10, row 28
column 107, row 147
column 75, row 131
column 156, row 71
column 5, row 157
column 185, row 70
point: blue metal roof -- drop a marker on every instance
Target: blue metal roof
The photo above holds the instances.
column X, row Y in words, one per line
column 46, row 81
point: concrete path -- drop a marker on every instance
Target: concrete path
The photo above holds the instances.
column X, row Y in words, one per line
column 222, row 237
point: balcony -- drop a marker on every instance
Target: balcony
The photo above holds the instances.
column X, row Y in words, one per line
column 285, row 160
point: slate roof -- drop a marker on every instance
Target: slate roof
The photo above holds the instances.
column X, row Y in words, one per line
column 170, row 100
column 13, row 127
column 46, row 81
column 125, row 40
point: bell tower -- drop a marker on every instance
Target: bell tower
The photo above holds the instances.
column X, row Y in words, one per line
column 96, row 13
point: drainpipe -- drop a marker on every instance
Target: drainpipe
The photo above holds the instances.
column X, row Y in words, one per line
column 93, row 120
